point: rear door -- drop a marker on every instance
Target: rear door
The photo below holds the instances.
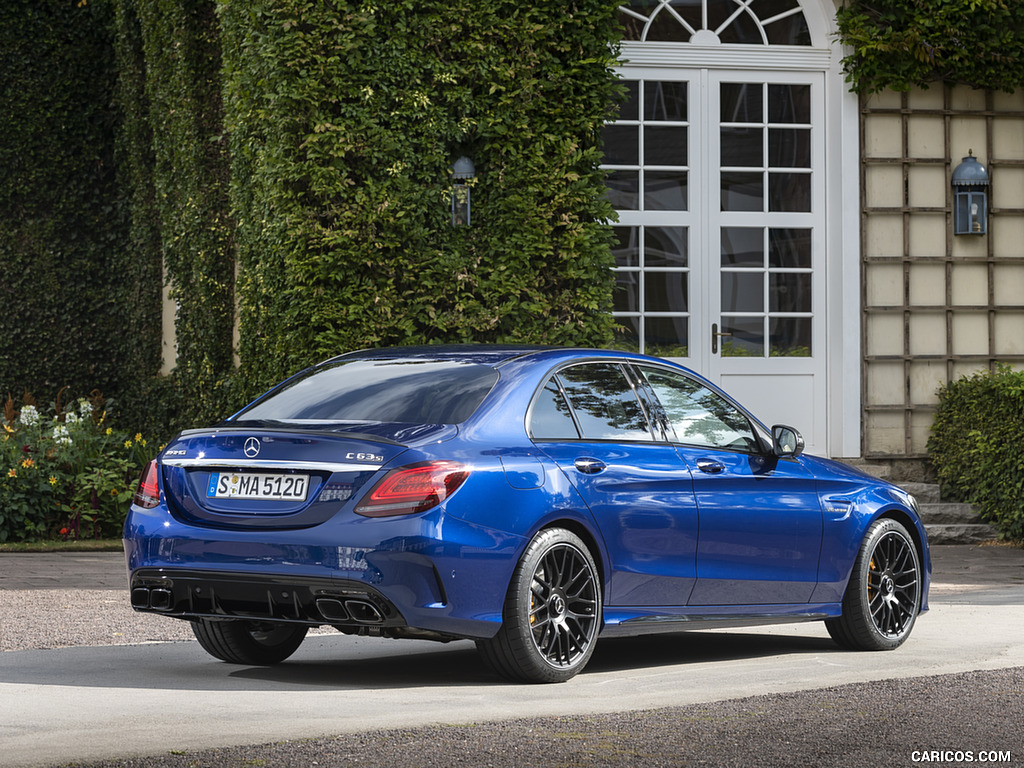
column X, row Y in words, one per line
column 589, row 420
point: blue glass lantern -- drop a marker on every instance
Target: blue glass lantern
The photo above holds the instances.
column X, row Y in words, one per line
column 970, row 197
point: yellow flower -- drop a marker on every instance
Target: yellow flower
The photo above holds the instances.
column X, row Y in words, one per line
column 28, row 463
column 127, row 443
column 53, row 480
column 13, row 472
column 138, row 437
column 109, row 430
column 8, row 428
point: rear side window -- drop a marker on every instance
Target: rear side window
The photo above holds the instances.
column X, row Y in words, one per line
column 404, row 391
column 605, row 406
column 550, row 418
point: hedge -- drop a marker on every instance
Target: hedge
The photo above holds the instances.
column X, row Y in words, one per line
column 69, row 289
column 292, row 158
column 174, row 145
column 975, row 446
column 344, row 120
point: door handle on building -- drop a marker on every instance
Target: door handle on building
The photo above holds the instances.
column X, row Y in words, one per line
column 714, row 337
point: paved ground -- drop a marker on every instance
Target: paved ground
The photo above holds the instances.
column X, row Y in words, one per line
column 966, row 718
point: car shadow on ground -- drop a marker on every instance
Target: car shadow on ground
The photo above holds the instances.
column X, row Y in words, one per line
column 699, row 647
column 329, row 662
column 458, row 664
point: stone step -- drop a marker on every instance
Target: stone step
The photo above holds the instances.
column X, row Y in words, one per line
column 881, row 471
column 925, row 493
column 948, row 522
column 948, row 513
column 960, row 533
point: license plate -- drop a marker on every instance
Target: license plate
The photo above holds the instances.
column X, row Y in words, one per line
column 251, row 485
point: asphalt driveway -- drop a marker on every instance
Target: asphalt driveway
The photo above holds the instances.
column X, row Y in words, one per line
column 954, row 695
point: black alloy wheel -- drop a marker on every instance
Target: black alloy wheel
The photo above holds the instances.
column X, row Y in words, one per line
column 883, row 597
column 552, row 612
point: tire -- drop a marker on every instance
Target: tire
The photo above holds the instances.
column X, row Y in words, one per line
column 260, row 644
column 883, row 597
column 552, row 612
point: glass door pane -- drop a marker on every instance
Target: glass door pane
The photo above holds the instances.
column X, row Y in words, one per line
column 647, row 155
column 767, row 219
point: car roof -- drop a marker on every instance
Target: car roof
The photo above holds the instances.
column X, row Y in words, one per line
column 484, row 354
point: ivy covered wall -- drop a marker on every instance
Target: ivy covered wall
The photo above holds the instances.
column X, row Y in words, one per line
column 899, row 44
column 344, row 121
column 176, row 156
column 68, row 292
column 292, row 159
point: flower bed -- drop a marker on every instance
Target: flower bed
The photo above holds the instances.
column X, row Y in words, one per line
column 65, row 472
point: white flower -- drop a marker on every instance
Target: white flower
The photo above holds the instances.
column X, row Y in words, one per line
column 29, row 416
column 84, row 406
column 71, row 418
column 61, row 436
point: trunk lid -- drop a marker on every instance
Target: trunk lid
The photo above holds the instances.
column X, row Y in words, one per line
column 295, row 476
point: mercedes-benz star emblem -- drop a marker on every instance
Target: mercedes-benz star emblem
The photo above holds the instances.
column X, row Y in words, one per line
column 252, row 447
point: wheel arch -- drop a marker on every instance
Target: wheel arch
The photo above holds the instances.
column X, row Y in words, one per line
column 589, row 538
column 918, row 535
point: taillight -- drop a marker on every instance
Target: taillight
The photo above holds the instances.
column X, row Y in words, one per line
column 413, row 489
column 147, row 495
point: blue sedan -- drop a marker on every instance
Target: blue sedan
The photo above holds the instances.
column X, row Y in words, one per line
column 531, row 499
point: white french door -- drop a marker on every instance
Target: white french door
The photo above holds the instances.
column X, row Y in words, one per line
column 717, row 176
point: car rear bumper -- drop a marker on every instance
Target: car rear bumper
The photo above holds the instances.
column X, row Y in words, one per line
column 344, row 575
column 191, row 594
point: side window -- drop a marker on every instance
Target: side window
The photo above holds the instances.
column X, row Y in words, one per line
column 605, row 405
column 698, row 415
column 550, row 418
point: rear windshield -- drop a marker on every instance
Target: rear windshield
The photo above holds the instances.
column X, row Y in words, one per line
column 406, row 391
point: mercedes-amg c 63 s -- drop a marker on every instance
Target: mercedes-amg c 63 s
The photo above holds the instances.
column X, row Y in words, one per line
column 530, row 499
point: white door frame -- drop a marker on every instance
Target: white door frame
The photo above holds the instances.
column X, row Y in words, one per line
column 842, row 292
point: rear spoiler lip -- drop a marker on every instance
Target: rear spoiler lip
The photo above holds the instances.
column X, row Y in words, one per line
column 292, row 430
column 314, row 466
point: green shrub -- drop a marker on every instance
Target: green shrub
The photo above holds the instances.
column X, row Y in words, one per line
column 66, row 473
column 976, row 442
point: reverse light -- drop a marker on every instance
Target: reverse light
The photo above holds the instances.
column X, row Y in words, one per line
column 413, row 489
column 147, row 495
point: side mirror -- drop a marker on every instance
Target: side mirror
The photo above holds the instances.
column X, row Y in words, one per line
column 787, row 441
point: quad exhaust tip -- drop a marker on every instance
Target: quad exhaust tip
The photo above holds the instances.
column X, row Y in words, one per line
column 154, row 599
column 359, row 611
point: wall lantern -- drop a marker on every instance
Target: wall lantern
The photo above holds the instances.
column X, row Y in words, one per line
column 463, row 174
column 970, row 197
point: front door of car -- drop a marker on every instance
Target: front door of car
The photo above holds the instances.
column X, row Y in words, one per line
column 760, row 527
column 589, row 421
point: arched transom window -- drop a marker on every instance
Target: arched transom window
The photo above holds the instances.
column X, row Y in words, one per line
column 714, row 22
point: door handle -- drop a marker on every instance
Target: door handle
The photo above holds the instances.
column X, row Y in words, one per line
column 589, row 466
column 710, row 466
column 714, row 337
